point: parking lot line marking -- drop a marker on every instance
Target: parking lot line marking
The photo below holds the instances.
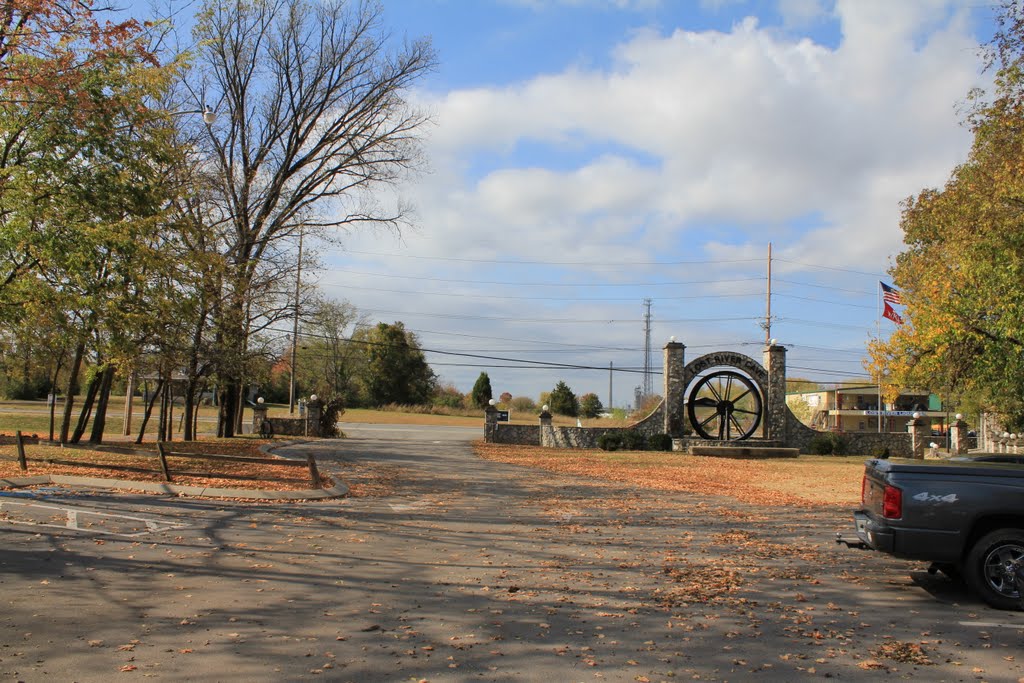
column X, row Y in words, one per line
column 992, row 624
column 73, row 519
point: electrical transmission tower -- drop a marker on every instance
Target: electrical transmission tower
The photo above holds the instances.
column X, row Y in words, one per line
column 648, row 389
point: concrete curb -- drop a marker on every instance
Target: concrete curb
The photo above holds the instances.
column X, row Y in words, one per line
column 336, row 491
column 339, row 490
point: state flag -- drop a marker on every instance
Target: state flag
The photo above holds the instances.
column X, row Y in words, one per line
column 891, row 314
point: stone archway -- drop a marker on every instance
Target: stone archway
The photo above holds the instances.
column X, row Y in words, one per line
column 768, row 381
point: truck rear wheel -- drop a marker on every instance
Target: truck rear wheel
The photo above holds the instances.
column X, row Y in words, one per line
column 987, row 568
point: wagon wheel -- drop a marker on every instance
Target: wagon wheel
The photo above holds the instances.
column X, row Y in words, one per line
column 725, row 405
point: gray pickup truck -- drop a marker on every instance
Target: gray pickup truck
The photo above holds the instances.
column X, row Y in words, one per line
column 966, row 517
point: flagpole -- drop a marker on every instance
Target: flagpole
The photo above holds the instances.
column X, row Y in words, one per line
column 878, row 338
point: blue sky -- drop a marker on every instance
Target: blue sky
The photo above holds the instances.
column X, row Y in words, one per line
column 586, row 155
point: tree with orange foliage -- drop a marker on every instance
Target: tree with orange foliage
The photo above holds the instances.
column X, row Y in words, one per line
column 962, row 269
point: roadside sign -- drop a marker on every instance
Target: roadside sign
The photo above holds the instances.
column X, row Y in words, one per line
column 502, row 416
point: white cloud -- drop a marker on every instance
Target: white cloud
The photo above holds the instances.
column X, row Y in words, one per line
column 747, row 126
column 717, row 141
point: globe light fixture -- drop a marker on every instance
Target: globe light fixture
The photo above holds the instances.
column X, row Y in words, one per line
column 491, row 402
column 959, row 416
column 209, row 115
column 312, row 397
column 260, row 400
column 544, row 407
column 916, row 416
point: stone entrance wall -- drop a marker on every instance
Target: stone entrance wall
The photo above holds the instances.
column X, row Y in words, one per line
column 779, row 426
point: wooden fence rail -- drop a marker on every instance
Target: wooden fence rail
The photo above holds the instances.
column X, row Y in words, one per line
column 162, row 454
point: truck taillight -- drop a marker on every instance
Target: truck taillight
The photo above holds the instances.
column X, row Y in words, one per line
column 892, row 502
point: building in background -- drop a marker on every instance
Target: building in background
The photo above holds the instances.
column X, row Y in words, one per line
column 856, row 409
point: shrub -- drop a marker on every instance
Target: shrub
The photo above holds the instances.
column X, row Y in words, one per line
column 333, row 409
column 609, row 441
column 633, row 440
column 881, row 452
column 828, row 443
column 659, row 442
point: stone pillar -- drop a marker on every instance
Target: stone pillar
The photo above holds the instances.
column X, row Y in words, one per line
column 958, row 436
column 919, row 431
column 674, row 389
column 775, row 398
column 259, row 415
column 490, row 423
column 547, row 436
column 314, row 407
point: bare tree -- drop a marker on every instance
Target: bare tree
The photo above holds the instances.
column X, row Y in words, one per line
column 312, row 118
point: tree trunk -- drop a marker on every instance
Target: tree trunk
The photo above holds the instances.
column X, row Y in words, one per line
column 149, row 409
column 161, row 428
column 188, row 434
column 53, row 391
column 86, row 413
column 99, row 423
column 227, row 412
column 69, row 394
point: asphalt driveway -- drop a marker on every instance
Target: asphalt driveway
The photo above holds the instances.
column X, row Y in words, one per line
column 465, row 570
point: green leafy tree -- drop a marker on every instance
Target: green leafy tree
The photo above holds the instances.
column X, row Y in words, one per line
column 448, row 396
column 522, row 404
column 961, row 271
column 83, row 162
column 327, row 362
column 481, row 393
column 395, row 369
column 590, row 405
column 562, row 401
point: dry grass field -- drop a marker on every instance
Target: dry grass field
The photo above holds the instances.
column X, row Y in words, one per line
column 807, row 480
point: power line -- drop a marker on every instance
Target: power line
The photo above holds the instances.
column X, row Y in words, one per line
column 464, row 295
column 517, row 262
column 573, row 321
column 519, row 283
column 838, row 270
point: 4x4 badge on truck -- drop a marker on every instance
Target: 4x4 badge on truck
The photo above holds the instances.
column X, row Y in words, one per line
column 929, row 498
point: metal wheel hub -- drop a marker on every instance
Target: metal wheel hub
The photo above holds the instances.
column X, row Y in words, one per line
column 999, row 569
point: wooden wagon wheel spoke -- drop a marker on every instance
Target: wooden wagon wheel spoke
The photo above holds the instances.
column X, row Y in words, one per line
column 728, row 421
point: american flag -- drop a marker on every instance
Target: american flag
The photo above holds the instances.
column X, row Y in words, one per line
column 891, row 294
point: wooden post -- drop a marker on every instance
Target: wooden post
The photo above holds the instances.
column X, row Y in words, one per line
column 314, row 473
column 21, row 451
column 163, row 460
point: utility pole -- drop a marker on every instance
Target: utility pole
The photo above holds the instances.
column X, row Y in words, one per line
column 647, row 349
column 610, row 366
column 295, row 329
column 768, row 307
